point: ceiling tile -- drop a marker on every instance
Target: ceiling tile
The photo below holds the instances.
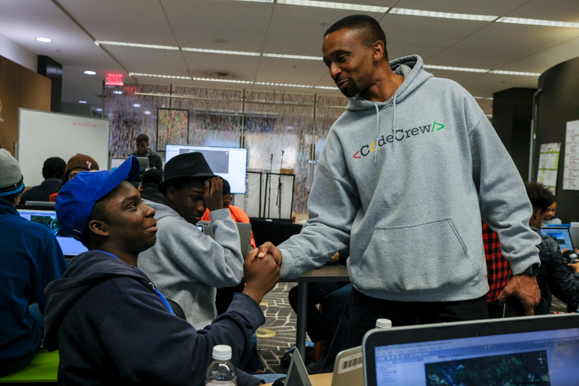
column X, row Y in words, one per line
column 477, row 7
column 220, row 39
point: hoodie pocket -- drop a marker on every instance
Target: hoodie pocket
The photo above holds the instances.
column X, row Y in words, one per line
column 415, row 258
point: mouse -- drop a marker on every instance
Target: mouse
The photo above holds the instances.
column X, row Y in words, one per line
column 279, row 382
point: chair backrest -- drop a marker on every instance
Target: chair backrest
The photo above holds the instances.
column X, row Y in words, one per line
column 177, row 309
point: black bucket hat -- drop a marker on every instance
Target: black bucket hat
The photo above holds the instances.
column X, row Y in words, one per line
column 185, row 166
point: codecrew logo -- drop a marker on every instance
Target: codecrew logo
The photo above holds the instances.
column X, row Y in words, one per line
column 398, row 135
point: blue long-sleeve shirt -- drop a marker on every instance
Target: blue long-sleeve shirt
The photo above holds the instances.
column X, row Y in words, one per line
column 30, row 258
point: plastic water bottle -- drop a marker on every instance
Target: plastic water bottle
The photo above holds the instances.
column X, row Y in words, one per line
column 383, row 323
column 221, row 371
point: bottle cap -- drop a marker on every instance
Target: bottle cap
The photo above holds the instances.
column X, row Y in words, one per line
column 383, row 323
column 221, row 352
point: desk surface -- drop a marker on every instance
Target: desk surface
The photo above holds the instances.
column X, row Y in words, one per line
column 323, row 274
column 318, row 380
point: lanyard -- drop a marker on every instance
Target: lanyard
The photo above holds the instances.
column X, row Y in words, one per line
column 159, row 294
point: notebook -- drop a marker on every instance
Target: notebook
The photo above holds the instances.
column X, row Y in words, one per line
column 243, row 229
column 540, row 350
column 69, row 245
column 561, row 234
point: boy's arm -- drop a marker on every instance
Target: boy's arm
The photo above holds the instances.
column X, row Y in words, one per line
column 51, row 265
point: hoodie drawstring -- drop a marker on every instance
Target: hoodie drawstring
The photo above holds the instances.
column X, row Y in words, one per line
column 378, row 126
column 377, row 132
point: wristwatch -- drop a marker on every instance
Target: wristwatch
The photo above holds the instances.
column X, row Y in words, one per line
column 532, row 270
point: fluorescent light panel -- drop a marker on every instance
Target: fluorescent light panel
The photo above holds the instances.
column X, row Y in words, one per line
column 223, row 80
column 154, row 46
column 327, row 4
column 449, row 68
column 283, row 84
column 501, row 72
column 326, row 87
column 256, row 1
column 227, row 52
column 159, row 76
column 546, row 23
column 304, row 57
column 442, row 15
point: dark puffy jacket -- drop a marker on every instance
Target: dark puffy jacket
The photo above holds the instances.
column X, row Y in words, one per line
column 554, row 277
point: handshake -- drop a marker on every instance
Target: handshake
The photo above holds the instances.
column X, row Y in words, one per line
column 261, row 271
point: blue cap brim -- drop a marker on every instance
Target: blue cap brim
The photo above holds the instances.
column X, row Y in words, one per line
column 127, row 171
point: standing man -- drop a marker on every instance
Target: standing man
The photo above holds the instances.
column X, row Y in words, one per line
column 397, row 189
column 144, row 151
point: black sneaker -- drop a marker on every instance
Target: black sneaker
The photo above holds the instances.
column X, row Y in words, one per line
column 255, row 365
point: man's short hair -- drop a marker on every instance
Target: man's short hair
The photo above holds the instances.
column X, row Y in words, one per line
column 369, row 29
column 53, row 168
column 152, row 176
column 143, row 138
column 226, row 187
column 539, row 195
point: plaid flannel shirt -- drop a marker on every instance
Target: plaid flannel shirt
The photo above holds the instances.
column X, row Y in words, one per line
column 498, row 268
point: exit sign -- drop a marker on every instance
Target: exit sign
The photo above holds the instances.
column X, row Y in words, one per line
column 114, row 80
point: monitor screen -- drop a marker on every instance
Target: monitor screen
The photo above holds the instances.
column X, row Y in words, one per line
column 69, row 245
column 229, row 163
column 530, row 358
column 562, row 236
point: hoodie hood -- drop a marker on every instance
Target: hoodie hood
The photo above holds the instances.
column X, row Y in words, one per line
column 412, row 68
column 162, row 211
column 86, row 271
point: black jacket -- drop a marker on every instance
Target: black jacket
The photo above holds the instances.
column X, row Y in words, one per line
column 112, row 328
column 554, row 277
column 151, row 193
column 42, row 191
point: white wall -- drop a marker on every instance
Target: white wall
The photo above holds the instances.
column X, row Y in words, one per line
column 17, row 53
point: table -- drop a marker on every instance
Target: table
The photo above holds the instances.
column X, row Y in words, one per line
column 318, row 379
column 338, row 273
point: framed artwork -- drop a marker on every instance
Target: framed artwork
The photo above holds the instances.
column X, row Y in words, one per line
column 172, row 127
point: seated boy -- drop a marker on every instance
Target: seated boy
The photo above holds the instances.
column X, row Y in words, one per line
column 110, row 323
column 186, row 264
column 554, row 276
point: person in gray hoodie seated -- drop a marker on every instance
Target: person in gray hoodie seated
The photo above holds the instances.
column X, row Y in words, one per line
column 186, row 265
column 397, row 190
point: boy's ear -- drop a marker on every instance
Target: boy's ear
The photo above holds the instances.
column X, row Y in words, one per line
column 171, row 193
column 99, row 228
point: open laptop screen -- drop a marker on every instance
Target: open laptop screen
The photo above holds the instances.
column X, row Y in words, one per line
column 547, row 357
column 69, row 245
column 562, row 236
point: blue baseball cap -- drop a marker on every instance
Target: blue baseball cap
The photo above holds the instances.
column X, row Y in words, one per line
column 76, row 198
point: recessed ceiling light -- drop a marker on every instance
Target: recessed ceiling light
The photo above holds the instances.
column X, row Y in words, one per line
column 547, row 23
column 443, row 15
column 327, row 4
column 283, row 84
column 155, row 46
column 221, row 51
column 117, row 92
column 136, row 105
column 501, row 72
column 44, row 40
column 83, row 102
column 147, row 112
column 159, row 76
column 90, row 72
column 292, row 56
column 450, row 68
column 99, row 110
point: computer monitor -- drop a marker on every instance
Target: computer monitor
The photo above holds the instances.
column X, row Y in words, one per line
column 69, row 245
column 229, row 163
column 541, row 350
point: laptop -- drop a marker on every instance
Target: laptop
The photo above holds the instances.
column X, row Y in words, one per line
column 69, row 245
column 349, row 368
column 574, row 230
column 297, row 373
column 561, row 234
column 243, row 229
column 540, row 350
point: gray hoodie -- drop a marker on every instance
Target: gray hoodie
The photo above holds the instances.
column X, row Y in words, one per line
column 187, row 266
column 397, row 189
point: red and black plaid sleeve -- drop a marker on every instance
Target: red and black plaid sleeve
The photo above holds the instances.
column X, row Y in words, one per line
column 498, row 268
